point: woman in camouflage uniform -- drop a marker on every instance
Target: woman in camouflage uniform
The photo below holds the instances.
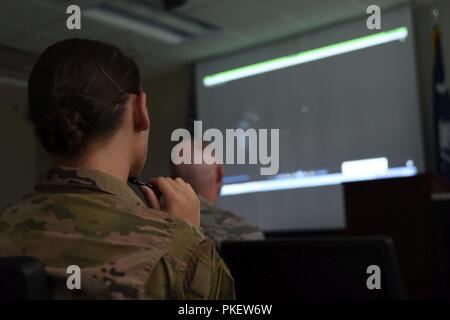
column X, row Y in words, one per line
column 89, row 112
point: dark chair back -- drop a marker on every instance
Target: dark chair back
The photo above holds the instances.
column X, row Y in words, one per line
column 327, row 268
column 23, row 278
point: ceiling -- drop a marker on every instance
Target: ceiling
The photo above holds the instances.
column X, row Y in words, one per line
column 27, row 27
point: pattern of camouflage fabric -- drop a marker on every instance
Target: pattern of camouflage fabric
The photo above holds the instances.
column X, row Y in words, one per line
column 124, row 249
column 220, row 225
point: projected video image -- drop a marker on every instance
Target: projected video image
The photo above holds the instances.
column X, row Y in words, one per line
column 345, row 104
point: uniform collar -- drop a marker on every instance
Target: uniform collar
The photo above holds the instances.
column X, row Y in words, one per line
column 88, row 179
column 205, row 204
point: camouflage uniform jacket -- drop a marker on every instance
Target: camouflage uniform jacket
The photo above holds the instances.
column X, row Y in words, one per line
column 220, row 225
column 124, row 249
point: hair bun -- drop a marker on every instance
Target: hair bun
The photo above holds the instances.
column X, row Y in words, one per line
column 64, row 132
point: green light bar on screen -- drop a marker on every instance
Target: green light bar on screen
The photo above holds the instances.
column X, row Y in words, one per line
column 399, row 34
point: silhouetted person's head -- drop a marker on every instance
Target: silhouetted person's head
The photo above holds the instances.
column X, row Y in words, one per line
column 205, row 179
column 88, row 108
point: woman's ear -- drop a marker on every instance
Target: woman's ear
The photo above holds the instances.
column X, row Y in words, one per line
column 219, row 174
column 140, row 113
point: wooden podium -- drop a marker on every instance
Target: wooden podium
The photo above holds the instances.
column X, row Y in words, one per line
column 403, row 208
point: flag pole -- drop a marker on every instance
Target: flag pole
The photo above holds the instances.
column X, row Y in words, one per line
column 435, row 14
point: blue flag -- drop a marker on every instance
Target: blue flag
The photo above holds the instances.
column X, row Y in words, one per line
column 441, row 108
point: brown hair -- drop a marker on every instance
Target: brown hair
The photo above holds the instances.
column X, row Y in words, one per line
column 77, row 91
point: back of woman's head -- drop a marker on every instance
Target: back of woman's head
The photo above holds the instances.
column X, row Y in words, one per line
column 77, row 92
